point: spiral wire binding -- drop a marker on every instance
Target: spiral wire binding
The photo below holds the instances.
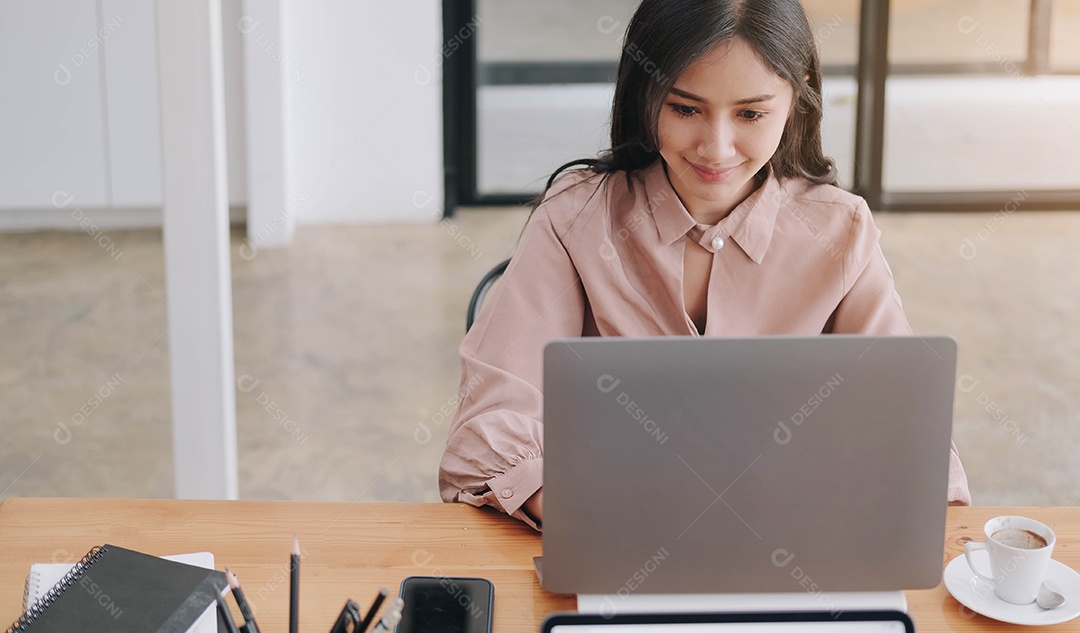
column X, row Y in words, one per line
column 38, row 608
column 33, row 579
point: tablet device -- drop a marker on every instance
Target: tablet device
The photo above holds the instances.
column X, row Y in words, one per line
column 776, row 622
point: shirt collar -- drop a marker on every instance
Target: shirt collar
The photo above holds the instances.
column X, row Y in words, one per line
column 750, row 224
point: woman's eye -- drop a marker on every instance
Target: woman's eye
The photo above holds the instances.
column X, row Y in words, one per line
column 683, row 110
column 751, row 115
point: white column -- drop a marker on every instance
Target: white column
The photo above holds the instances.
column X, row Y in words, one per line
column 271, row 215
column 196, row 235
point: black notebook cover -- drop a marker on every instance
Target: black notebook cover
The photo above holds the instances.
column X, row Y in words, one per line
column 117, row 590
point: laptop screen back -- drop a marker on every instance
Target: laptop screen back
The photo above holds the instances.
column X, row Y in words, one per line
column 805, row 465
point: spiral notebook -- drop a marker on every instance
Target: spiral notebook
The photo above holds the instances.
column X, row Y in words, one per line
column 119, row 590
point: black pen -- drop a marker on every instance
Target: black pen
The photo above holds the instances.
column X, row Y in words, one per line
column 373, row 611
column 230, row 626
column 245, row 610
column 294, row 585
column 350, row 615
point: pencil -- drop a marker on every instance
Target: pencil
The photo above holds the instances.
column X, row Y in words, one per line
column 294, row 585
column 245, row 609
column 391, row 619
column 370, row 617
column 230, row 626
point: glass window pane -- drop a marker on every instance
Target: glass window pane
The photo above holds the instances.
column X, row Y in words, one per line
column 1064, row 40
column 966, row 133
column 838, row 124
column 958, row 31
column 984, row 127
column 525, row 132
column 836, row 30
column 835, row 24
column 552, row 30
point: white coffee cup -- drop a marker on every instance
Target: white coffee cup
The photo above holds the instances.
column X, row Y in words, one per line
column 1020, row 550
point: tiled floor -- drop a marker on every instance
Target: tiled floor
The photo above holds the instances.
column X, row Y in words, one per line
column 351, row 333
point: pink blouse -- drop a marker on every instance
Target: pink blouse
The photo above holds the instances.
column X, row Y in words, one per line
column 607, row 259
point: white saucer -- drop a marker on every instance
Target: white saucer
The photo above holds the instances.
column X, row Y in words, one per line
column 977, row 594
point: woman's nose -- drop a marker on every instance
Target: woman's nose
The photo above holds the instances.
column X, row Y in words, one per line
column 716, row 143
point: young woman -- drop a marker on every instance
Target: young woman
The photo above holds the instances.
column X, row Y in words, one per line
column 713, row 213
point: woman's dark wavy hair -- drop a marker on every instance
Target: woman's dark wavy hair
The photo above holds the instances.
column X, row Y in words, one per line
column 665, row 37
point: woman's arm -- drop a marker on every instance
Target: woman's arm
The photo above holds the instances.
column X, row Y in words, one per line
column 494, row 449
column 872, row 306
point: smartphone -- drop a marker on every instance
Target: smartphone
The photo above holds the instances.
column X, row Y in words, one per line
column 441, row 604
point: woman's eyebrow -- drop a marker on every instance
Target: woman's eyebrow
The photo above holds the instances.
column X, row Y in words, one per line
column 693, row 97
column 687, row 95
column 757, row 99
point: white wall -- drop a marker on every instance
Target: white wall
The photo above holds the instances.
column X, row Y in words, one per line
column 365, row 135
column 51, row 136
column 131, row 113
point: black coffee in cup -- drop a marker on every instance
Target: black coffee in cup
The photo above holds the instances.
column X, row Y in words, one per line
column 1020, row 539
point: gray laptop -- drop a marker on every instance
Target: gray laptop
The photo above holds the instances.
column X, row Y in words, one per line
column 740, row 465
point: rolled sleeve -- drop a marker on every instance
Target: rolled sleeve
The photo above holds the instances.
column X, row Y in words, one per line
column 514, row 488
column 959, row 494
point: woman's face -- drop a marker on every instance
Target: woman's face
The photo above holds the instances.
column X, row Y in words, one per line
column 721, row 122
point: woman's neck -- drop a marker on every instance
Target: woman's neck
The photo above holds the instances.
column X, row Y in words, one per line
column 709, row 213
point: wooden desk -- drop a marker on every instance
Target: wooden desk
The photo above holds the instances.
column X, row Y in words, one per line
column 350, row 550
